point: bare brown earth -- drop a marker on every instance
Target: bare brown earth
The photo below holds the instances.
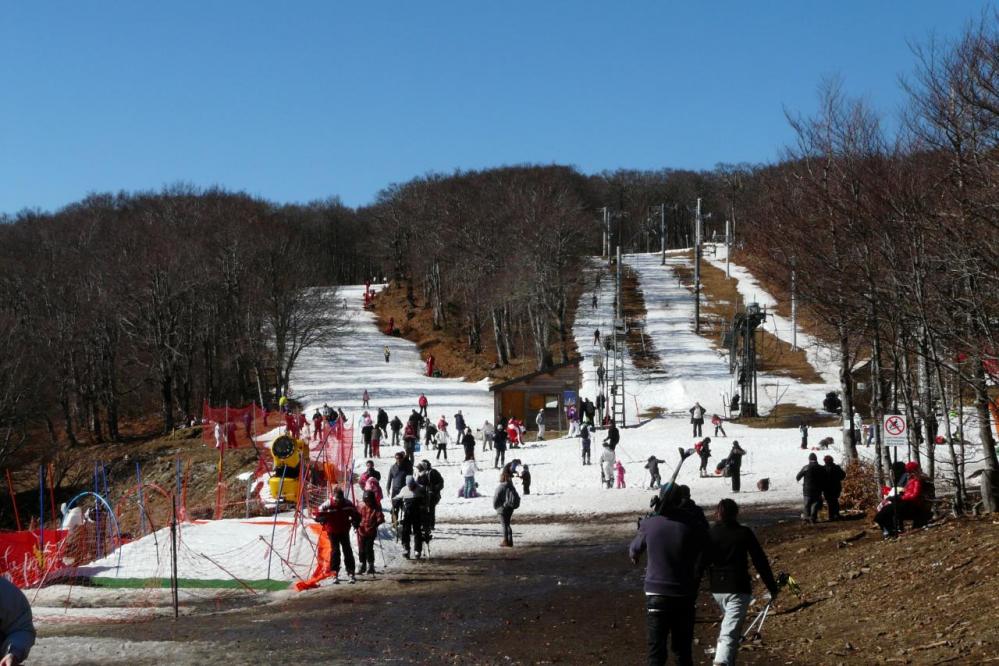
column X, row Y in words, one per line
column 449, row 345
column 927, row 598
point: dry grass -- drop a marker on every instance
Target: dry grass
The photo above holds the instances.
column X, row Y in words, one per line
column 790, row 415
column 643, row 352
column 720, row 301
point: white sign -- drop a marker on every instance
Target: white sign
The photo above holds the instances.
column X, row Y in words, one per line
column 894, row 429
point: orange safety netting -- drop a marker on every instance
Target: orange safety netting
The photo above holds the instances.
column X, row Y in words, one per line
column 233, row 427
column 323, row 555
column 334, row 454
column 24, row 561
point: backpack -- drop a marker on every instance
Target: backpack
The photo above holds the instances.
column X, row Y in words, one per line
column 512, row 500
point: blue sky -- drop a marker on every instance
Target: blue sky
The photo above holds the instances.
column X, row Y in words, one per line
column 304, row 100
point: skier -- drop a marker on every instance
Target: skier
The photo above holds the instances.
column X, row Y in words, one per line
column 17, row 630
column 716, row 421
column 337, row 515
column 601, row 375
column 376, row 442
column 499, row 443
column 703, row 449
column 413, row 508
column 833, row 486
column 429, row 436
column 387, row 353
column 525, row 479
column 505, row 502
column 397, row 474
column 409, row 437
column 442, row 429
column 585, row 443
column 488, row 434
column 422, row 402
column 594, row 301
column 601, row 404
column 674, row 542
column 396, row 425
column 697, row 419
column 589, row 410
column 803, row 429
column 613, row 437
column 731, row 545
column 652, row 465
column 468, row 470
column 365, row 398
column 317, row 425
column 367, row 531
column 468, row 443
column 430, row 365
column 366, row 430
column 540, row 420
column 607, row 460
column 596, row 338
column 433, row 485
column 459, row 424
column 812, row 478
column 570, row 416
column 382, row 421
column 735, row 465
column 619, row 468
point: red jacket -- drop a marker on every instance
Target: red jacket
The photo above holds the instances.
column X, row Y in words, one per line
column 337, row 519
column 423, row 401
column 915, row 490
column 371, row 518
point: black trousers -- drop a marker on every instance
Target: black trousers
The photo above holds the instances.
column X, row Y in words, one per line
column 366, row 552
column 832, row 500
column 586, row 455
column 719, row 427
column 736, row 473
column 505, row 516
column 441, row 449
column 665, row 616
column 412, row 529
column 341, row 543
column 698, row 425
column 500, row 457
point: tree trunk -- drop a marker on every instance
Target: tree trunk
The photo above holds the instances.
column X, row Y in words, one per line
column 846, row 387
column 499, row 335
column 990, row 477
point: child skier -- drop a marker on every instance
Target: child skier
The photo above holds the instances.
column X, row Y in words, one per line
column 716, row 421
column 703, row 449
column 367, row 529
column 525, row 479
column 620, row 473
column 653, row 466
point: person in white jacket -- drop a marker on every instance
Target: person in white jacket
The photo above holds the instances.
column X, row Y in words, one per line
column 468, row 470
column 540, row 420
column 607, row 459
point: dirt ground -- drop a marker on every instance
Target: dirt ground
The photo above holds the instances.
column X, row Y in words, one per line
column 927, row 598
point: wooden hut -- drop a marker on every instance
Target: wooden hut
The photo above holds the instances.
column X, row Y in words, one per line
column 550, row 389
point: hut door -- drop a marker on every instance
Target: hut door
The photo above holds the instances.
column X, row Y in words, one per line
column 513, row 404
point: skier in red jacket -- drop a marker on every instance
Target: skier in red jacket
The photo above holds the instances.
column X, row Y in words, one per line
column 422, row 402
column 337, row 515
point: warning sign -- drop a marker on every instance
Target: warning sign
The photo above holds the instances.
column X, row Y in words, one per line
column 894, row 430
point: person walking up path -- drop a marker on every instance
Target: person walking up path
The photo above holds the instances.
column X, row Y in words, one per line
column 506, row 500
column 730, row 546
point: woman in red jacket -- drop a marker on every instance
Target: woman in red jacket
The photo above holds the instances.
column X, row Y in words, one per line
column 912, row 505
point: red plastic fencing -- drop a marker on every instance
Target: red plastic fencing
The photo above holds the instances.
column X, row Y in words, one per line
column 24, row 562
column 234, row 427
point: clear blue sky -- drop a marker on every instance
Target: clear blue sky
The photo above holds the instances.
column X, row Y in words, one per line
column 303, row 100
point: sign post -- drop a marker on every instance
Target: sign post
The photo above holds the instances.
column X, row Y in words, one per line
column 894, row 432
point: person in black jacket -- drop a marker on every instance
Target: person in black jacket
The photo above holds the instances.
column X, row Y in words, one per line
column 433, row 484
column 703, row 449
column 675, row 543
column 813, row 481
column 833, row 487
column 729, row 545
column 499, row 444
column 396, row 425
column 398, row 472
column 613, row 437
column 735, row 465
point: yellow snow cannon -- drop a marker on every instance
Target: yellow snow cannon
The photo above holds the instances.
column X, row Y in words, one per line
column 289, row 455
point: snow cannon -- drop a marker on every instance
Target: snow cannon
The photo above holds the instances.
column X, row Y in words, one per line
column 289, row 454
